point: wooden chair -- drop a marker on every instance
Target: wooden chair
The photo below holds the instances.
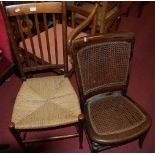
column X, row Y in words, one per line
column 108, row 15
column 102, row 64
column 49, row 102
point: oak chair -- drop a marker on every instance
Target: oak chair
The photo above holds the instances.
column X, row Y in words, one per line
column 49, row 102
column 102, row 64
column 108, row 15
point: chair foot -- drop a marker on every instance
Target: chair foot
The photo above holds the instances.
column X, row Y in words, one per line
column 95, row 147
column 141, row 140
column 81, row 119
column 17, row 136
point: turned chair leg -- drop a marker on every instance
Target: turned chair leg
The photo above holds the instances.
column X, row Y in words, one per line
column 81, row 120
column 17, row 136
column 141, row 140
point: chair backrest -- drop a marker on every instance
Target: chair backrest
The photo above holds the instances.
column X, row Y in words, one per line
column 34, row 19
column 108, row 14
column 75, row 10
column 102, row 62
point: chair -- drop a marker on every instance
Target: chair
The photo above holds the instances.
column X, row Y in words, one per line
column 49, row 102
column 102, row 64
column 108, row 15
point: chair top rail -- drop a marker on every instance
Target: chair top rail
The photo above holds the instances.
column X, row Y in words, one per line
column 117, row 36
column 31, row 8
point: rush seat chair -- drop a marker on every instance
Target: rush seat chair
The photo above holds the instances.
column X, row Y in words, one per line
column 102, row 64
column 50, row 102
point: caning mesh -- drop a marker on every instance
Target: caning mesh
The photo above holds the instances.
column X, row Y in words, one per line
column 114, row 114
column 104, row 65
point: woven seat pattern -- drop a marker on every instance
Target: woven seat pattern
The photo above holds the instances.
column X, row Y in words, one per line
column 114, row 114
column 45, row 102
column 103, row 65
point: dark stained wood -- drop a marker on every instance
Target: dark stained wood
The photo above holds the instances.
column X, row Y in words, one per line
column 108, row 15
column 78, row 10
column 39, row 38
column 81, row 127
column 51, row 138
column 31, row 8
column 103, row 14
column 16, row 135
column 40, row 67
column 55, row 38
column 47, row 37
column 72, row 16
column 80, row 27
column 23, row 41
column 8, row 72
column 31, row 40
column 64, row 33
column 93, row 30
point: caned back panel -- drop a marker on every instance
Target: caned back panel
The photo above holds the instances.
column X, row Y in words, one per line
column 102, row 65
column 31, row 20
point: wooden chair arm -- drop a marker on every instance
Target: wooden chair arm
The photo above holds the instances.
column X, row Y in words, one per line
column 74, row 9
column 83, row 25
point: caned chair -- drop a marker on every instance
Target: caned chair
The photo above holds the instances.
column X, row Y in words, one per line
column 50, row 102
column 102, row 64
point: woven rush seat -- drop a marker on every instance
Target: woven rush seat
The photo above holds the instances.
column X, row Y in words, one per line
column 52, row 44
column 114, row 114
column 45, row 102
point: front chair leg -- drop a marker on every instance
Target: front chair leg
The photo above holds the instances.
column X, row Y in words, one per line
column 81, row 120
column 141, row 140
column 17, row 136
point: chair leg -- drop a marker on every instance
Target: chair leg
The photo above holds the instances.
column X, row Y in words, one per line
column 81, row 120
column 141, row 140
column 17, row 135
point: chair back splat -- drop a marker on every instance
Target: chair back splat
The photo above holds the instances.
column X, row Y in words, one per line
column 36, row 27
column 102, row 64
column 38, row 33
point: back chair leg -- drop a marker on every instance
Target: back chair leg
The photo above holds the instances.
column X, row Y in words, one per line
column 141, row 140
column 17, row 136
column 81, row 120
